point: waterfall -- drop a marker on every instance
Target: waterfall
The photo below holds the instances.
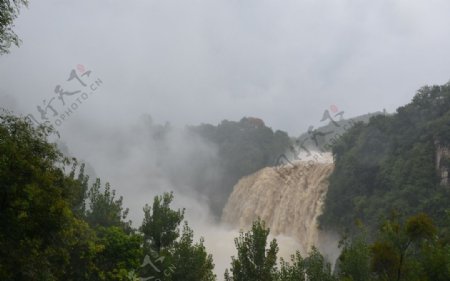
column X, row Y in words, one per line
column 288, row 198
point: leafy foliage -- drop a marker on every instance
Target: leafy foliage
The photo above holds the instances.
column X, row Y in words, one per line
column 254, row 262
column 175, row 257
column 35, row 202
column 53, row 227
column 191, row 259
column 104, row 210
column 161, row 224
column 354, row 261
column 390, row 164
column 9, row 11
column 317, row 268
column 294, row 271
column 402, row 250
column 244, row 148
column 119, row 252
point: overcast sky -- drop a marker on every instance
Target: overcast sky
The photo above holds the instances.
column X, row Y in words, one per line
column 189, row 62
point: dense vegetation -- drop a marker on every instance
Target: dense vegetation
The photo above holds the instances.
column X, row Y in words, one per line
column 9, row 12
column 210, row 159
column 55, row 227
column 410, row 250
column 244, row 148
column 389, row 165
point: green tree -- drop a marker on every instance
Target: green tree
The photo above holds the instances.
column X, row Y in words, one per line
column 9, row 12
column 294, row 271
column 243, row 147
column 46, row 233
column 435, row 260
column 317, row 268
column 254, row 262
column 394, row 252
column 390, row 163
column 104, row 209
column 81, row 240
column 79, row 191
column 119, row 253
column 38, row 229
column 312, row 268
column 190, row 260
column 171, row 256
column 161, row 224
column 354, row 261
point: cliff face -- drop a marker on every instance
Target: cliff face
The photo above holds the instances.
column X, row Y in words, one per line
column 288, row 198
column 442, row 163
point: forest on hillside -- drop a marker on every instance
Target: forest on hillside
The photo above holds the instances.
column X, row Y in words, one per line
column 54, row 226
column 389, row 165
column 244, row 147
column 209, row 159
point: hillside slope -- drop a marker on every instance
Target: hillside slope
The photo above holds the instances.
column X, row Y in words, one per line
column 391, row 165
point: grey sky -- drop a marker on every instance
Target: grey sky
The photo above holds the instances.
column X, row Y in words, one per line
column 189, row 62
